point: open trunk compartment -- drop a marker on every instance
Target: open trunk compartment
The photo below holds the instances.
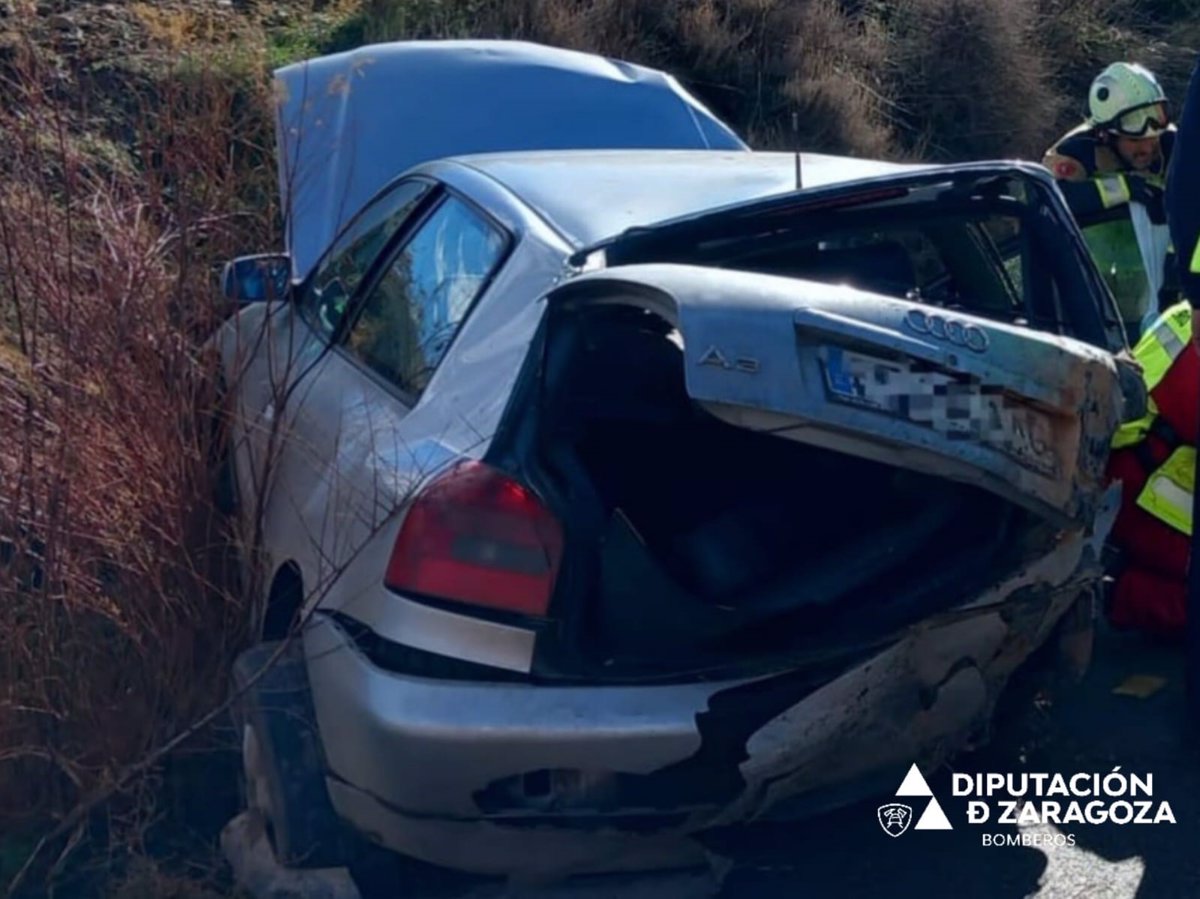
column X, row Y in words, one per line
column 694, row 543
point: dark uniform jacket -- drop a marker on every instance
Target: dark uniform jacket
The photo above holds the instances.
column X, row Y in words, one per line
column 1093, row 178
column 1183, row 192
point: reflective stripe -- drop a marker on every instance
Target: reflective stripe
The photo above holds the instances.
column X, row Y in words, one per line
column 1168, row 492
column 1113, row 190
column 1172, row 342
column 1163, row 342
column 1157, row 350
column 1133, row 432
column 1195, row 266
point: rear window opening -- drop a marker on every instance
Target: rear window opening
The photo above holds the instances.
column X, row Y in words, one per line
column 690, row 542
column 980, row 245
column 975, row 264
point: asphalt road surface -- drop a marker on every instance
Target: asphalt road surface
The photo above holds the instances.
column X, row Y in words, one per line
column 1129, row 711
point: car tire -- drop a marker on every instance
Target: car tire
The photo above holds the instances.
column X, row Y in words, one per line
column 282, row 772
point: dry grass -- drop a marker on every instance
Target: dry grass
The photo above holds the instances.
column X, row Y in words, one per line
column 970, row 80
column 760, row 64
column 145, row 880
column 180, row 27
column 119, row 601
column 931, row 79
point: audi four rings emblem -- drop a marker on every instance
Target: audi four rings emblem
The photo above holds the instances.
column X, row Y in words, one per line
column 949, row 329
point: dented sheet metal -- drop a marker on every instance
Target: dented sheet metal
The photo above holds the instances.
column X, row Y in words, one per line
column 924, row 696
column 921, row 698
column 350, row 122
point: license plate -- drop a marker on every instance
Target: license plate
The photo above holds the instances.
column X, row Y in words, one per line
column 955, row 407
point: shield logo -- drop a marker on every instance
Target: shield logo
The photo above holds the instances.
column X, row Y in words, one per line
column 894, row 818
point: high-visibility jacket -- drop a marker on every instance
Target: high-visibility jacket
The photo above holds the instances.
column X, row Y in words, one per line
column 1153, row 459
column 1166, row 492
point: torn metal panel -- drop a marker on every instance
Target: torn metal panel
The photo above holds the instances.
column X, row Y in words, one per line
column 921, row 698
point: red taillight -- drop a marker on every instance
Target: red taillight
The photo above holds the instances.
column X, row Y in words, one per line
column 475, row 535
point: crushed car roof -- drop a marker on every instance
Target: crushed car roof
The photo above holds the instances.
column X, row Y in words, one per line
column 591, row 195
column 348, row 123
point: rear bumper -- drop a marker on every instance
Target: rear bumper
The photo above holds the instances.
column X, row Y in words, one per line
column 409, row 756
column 489, row 848
column 413, row 761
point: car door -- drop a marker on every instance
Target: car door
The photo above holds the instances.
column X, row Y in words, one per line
column 1123, row 245
column 296, row 420
column 352, row 450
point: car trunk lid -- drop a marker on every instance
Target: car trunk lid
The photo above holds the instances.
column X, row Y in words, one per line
column 1025, row 415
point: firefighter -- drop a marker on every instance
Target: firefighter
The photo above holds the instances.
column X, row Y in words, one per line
column 1119, row 155
column 1155, row 460
column 1155, row 457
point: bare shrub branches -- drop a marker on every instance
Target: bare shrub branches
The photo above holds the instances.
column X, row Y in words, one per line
column 119, row 596
column 972, row 78
column 941, row 80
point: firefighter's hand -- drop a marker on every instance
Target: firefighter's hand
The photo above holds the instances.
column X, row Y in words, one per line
column 1150, row 196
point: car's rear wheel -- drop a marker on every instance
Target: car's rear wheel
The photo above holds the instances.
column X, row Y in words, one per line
column 282, row 768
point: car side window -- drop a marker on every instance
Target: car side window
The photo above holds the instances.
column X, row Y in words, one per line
column 343, row 267
column 410, row 316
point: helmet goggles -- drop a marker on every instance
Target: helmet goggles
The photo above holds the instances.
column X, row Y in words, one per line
column 1147, row 120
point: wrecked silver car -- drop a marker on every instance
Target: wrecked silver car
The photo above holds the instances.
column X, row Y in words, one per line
column 628, row 483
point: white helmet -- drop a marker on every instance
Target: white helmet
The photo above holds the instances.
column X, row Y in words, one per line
column 1126, row 99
